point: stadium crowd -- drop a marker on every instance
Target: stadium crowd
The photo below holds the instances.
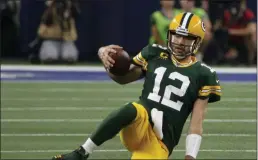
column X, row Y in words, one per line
column 230, row 30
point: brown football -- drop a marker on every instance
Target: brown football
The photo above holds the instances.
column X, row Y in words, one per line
column 122, row 63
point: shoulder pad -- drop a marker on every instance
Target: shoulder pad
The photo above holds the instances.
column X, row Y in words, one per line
column 152, row 51
column 159, row 47
column 206, row 70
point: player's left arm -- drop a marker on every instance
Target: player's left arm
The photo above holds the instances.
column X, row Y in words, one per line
column 210, row 91
column 194, row 137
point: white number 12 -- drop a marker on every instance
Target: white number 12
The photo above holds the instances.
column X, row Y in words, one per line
column 154, row 96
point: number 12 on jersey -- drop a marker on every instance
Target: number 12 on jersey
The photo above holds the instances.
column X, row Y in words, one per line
column 169, row 89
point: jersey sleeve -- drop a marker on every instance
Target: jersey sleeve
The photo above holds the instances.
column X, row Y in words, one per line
column 210, row 86
column 177, row 11
column 153, row 19
column 202, row 13
column 141, row 59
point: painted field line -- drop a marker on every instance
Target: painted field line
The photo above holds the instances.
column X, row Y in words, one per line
column 109, row 81
column 54, row 108
column 58, row 108
column 120, row 150
column 109, row 99
column 88, row 134
column 86, row 90
column 99, row 120
column 100, row 68
column 54, row 90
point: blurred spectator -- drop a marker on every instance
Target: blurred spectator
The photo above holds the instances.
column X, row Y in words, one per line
column 240, row 23
column 205, row 5
column 189, row 6
column 160, row 22
column 9, row 26
column 58, row 32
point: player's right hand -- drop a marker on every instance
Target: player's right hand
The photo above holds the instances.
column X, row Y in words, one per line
column 104, row 55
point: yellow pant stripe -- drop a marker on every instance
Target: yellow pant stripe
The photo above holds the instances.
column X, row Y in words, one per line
column 140, row 109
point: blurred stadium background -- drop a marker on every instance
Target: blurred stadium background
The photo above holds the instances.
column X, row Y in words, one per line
column 54, row 90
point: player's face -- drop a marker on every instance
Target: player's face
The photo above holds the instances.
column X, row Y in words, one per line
column 187, row 4
column 167, row 4
column 181, row 45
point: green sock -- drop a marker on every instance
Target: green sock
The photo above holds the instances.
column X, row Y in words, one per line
column 114, row 123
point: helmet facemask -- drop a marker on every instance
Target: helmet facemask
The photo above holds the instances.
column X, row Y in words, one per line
column 182, row 48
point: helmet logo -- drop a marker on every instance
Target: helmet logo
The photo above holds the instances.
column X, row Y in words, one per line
column 203, row 27
column 163, row 55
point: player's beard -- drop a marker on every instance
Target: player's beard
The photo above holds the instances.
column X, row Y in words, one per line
column 181, row 52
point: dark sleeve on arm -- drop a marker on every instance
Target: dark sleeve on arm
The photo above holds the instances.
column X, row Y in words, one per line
column 210, row 87
column 141, row 59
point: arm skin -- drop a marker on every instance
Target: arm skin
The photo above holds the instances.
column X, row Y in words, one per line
column 196, row 124
column 134, row 73
column 248, row 30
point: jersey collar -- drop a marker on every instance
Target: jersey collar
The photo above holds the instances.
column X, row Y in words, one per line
column 178, row 64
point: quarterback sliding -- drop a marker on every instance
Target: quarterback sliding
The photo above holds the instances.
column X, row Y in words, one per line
column 176, row 85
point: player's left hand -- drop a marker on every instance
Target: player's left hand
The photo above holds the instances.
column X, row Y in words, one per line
column 104, row 55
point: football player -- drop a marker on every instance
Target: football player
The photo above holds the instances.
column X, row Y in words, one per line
column 176, row 85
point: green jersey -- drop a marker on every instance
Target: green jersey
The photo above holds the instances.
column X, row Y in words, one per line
column 170, row 90
column 197, row 11
column 162, row 23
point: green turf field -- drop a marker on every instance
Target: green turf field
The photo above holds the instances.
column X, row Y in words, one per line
column 40, row 120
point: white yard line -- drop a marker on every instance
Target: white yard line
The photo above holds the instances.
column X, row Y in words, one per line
column 55, row 108
column 120, row 150
column 59, row 108
column 85, row 90
column 99, row 120
column 106, row 82
column 232, row 109
column 69, row 90
column 109, row 99
column 73, row 82
column 7, row 67
column 88, row 134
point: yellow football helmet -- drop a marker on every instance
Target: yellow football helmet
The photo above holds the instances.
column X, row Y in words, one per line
column 189, row 26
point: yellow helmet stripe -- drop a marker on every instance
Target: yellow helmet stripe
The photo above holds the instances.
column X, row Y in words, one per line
column 186, row 20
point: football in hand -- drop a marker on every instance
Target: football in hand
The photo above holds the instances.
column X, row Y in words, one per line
column 122, row 62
